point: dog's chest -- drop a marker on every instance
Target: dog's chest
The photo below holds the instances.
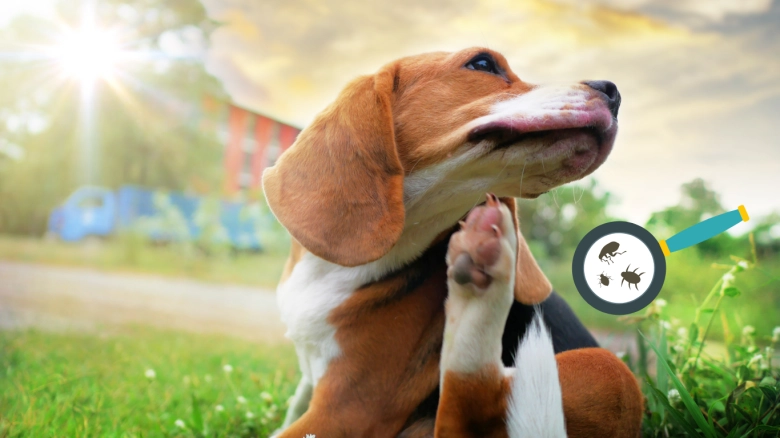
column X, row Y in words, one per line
column 306, row 299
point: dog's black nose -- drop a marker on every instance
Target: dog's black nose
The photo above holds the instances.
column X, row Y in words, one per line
column 610, row 91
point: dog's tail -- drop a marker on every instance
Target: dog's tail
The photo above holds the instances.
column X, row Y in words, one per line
column 535, row 405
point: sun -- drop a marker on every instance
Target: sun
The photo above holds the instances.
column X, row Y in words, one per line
column 88, row 53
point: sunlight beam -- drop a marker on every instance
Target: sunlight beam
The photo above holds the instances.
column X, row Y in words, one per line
column 88, row 53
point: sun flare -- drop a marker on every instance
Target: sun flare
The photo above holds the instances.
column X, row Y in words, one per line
column 88, row 54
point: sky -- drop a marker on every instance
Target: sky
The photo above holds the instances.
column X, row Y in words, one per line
column 700, row 79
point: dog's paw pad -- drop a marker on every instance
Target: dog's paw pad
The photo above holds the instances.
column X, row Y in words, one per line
column 477, row 247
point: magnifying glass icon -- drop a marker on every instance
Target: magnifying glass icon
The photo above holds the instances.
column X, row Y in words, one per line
column 620, row 267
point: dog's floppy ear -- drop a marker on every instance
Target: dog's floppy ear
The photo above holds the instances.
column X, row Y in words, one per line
column 339, row 189
column 531, row 285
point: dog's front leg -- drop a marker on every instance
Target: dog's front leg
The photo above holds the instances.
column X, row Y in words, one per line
column 479, row 397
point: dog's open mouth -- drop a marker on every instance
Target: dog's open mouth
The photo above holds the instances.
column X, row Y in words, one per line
column 577, row 150
column 504, row 137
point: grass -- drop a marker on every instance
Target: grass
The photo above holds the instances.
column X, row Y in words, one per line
column 71, row 384
column 693, row 393
column 129, row 255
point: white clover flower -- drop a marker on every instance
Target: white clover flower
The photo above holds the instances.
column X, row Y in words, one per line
column 207, row 378
column 743, row 264
column 665, row 325
column 150, row 374
column 776, row 334
column 620, row 354
column 180, row 424
column 266, row 397
column 270, row 414
column 757, row 358
column 682, row 332
column 678, row 348
column 673, row 396
column 227, row 368
column 219, row 408
column 728, row 278
column 660, row 303
column 241, row 399
column 748, row 330
column 249, row 415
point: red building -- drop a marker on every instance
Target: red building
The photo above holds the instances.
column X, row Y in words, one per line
column 253, row 142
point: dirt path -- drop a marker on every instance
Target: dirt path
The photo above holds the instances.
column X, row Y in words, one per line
column 59, row 298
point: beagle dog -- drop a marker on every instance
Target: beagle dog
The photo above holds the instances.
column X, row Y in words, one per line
column 372, row 193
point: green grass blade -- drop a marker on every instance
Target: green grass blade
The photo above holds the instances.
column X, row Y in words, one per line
column 687, row 400
column 662, row 376
column 678, row 419
column 197, row 416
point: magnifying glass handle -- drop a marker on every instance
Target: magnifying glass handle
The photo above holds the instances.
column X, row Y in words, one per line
column 704, row 230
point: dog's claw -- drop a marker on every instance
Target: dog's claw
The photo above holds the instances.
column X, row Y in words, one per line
column 492, row 200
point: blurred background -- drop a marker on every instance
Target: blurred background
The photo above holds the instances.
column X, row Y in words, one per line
column 138, row 257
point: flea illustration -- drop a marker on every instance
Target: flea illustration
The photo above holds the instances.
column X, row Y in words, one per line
column 609, row 251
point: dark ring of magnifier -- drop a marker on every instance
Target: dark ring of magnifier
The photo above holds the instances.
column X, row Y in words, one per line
column 578, row 268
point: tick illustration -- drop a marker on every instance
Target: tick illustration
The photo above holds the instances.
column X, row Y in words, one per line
column 609, row 251
column 631, row 277
column 604, row 280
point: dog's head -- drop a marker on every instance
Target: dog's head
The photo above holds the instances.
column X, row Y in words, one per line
column 417, row 144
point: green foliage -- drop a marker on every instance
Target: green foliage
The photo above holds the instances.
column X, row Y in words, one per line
column 141, row 382
column 556, row 221
column 271, row 234
column 716, row 393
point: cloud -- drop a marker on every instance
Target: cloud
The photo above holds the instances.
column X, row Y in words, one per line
column 713, row 10
column 699, row 101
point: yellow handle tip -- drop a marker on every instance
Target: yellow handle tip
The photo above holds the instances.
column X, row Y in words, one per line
column 743, row 213
column 665, row 248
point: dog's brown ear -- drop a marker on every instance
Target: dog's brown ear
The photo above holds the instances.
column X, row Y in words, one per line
column 339, row 189
column 531, row 285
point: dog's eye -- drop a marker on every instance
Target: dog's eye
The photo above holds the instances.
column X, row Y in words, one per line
column 483, row 63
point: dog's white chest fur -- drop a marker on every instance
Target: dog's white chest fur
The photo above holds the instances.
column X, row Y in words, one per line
column 316, row 287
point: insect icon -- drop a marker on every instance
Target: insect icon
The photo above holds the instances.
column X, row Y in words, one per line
column 604, row 280
column 631, row 277
column 609, row 251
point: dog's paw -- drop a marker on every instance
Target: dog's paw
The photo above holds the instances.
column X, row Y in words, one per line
column 484, row 249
